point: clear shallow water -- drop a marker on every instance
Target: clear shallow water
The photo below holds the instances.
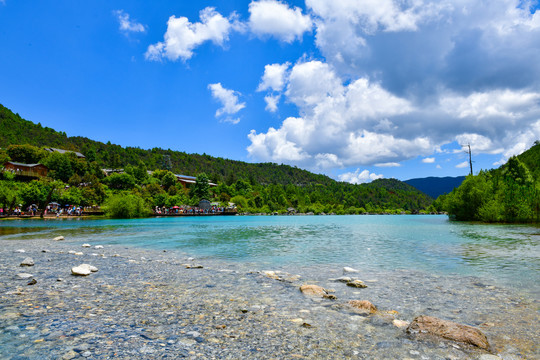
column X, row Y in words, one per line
column 506, row 254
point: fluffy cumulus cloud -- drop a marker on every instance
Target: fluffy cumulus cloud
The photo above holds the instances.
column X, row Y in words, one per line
column 126, row 24
column 277, row 19
column 400, row 79
column 428, row 160
column 182, row 36
column 359, row 177
column 273, row 77
column 229, row 101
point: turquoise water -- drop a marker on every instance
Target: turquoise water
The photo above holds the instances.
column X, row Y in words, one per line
column 507, row 254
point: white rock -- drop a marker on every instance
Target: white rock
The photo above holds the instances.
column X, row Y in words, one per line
column 83, row 270
column 98, row 247
column 80, row 271
column 20, row 251
column 24, row 276
column 79, row 253
column 72, row 252
column 58, row 238
column 86, row 245
column 349, row 270
column 28, row 262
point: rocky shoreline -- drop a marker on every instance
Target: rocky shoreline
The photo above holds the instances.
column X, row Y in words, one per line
column 148, row 304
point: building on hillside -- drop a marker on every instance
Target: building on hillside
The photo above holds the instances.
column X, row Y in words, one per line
column 186, row 181
column 29, row 170
column 78, row 154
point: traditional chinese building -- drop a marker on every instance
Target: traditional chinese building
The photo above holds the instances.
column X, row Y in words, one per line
column 29, row 170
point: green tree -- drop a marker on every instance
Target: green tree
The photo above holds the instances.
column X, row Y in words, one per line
column 26, row 154
column 201, row 189
column 120, row 181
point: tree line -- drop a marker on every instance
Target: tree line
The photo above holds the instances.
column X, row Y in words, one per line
column 510, row 194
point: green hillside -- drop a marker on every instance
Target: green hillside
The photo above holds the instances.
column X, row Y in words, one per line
column 16, row 130
column 510, row 193
column 262, row 187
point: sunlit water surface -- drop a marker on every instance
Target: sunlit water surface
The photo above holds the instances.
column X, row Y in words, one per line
column 505, row 254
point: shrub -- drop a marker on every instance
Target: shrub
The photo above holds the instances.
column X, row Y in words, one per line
column 126, row 207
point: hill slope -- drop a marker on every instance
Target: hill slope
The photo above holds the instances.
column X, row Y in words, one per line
column 379, row 195
column 436, row 186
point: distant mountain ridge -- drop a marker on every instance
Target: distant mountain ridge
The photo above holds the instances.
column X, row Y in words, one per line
column 436, row 186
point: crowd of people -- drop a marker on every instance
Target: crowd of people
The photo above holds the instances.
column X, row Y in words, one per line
column 189, row 210
column 52, row 209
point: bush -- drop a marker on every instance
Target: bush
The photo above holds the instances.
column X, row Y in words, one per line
column 126, row 207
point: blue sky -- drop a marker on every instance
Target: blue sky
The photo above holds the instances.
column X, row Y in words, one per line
column 353, row 89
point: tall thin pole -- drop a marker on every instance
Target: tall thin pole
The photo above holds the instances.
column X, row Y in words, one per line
column 470, row 157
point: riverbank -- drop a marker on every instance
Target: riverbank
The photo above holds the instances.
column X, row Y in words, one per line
column 144, row 304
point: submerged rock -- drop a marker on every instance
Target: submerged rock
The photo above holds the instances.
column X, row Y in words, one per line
column 448, row 330
column 316, row 290
column 27, row 262
column 357, row 284
column 363, row 306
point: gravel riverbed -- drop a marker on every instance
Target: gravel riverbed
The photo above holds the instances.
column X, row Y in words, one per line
column 150, row 304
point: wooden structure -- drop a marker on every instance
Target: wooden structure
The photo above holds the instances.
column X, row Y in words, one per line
column 29, row 170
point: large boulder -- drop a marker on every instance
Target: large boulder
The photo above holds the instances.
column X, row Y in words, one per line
column 448, row 330
column 316, row 290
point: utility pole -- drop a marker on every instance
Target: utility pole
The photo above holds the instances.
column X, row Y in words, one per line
column 470, row 157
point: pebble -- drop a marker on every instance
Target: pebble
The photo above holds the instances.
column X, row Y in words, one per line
column 349, row 270
column 58, row 238
column 24, row 276
column 97, row 247
column 27, row 262
column 86, row 245
column 20, row 251
column 83, row 270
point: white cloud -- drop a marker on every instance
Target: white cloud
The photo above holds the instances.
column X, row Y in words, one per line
column 428, row 160
column 462, row 165
column 182, row 36
column 272, row 102
column 388, row 164
column 400, row 79
column 273, row 77
column 229, row 101
column 359, row 177
column 438, row 166
column 331, row 131
column 126, row 24
column 277, row 19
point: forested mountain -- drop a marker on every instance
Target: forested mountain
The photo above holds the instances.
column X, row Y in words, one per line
column 16, row 130
column 263, row 187
column 436, row 186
